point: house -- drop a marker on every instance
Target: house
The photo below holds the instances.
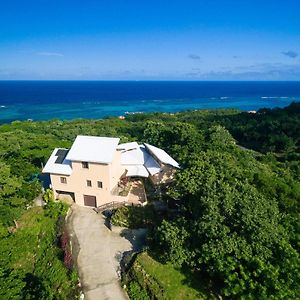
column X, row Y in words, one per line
column 99, row 170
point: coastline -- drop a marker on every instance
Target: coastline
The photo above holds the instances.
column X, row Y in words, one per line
column 64, row 112
column 67, row 100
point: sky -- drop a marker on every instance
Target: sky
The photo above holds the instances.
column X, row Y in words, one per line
column 149, row 40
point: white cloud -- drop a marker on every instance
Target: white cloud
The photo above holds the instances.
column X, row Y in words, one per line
column 50, row 54
column 266, row 71
column 194, row 56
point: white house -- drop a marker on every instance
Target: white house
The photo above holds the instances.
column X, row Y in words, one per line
column 95, row 170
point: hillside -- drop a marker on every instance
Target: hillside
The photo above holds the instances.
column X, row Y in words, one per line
column 238, row 222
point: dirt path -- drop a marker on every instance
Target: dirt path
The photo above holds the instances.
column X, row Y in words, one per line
column 97, row 252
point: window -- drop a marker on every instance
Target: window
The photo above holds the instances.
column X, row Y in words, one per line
column 100, row 185
column 63, row 179
column 89, row 183
column 85, row 165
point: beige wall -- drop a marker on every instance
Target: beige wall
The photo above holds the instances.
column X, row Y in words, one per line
column 109, row 174
column 116, row 169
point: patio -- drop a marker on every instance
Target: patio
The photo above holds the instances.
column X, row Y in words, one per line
column 133, row 192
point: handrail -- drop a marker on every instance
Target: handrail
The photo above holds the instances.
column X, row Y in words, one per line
column 109, row 205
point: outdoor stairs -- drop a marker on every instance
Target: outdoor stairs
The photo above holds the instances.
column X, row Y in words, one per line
column 110, row 206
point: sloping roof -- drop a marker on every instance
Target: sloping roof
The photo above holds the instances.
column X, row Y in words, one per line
column 149, row 162
column 56, row 164
column 132, row 157
column 140, row 157
column 139, row 160
column 93, row 149
column 128, row 146
column 137, row 170
column 162, row 155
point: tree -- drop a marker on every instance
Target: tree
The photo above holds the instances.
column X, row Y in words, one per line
column 232, row 225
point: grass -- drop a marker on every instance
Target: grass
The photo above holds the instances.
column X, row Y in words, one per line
column 163, row 281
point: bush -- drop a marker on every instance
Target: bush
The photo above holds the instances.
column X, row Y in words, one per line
column 134, row 217
column 31, row 263
column 136, row 292
column 48, row 196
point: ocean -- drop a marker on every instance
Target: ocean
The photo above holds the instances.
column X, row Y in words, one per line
column 44, row 100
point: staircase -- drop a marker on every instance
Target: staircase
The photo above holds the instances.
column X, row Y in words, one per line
column 109, row 206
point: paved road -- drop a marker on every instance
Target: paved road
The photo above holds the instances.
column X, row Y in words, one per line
column 97, row 252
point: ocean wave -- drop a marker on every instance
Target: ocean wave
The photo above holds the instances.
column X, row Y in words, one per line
column 133, row 112
column 2, row 106
column 224, row 98
column 92, row 102
column 269, row 97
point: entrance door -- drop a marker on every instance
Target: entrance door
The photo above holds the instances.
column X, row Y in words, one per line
column 90, row 200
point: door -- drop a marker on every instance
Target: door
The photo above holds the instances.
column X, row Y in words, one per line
column 90, row 200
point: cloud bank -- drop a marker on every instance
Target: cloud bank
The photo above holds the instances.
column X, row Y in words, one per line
column 267, row 71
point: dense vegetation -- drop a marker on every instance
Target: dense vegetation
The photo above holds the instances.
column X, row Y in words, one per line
column 150, row 277
column 238, row 226
column 32, row 265
column 239, row 221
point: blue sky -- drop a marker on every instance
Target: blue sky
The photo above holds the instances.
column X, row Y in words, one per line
column 150, row 40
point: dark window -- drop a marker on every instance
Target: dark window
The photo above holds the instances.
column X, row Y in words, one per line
column 89, row 183
column 85, row 165
column 100, row 185
column 63, row 179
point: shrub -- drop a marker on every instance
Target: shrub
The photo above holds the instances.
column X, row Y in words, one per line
column 136, row 292
column 48, row 196
column 134, row 217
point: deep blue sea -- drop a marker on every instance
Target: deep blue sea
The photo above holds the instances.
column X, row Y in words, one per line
column 44, row 100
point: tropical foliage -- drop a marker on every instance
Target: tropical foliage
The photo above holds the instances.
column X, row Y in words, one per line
column 31, row 263
column 238, row 225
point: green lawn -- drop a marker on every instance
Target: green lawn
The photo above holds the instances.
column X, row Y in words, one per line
column 166, row 282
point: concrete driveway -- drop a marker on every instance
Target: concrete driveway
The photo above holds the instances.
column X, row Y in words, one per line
column 97, row 253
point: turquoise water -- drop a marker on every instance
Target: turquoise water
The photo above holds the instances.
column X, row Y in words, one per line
column 44, row 100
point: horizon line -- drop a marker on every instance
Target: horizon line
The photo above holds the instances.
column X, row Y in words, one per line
column 154, row 80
